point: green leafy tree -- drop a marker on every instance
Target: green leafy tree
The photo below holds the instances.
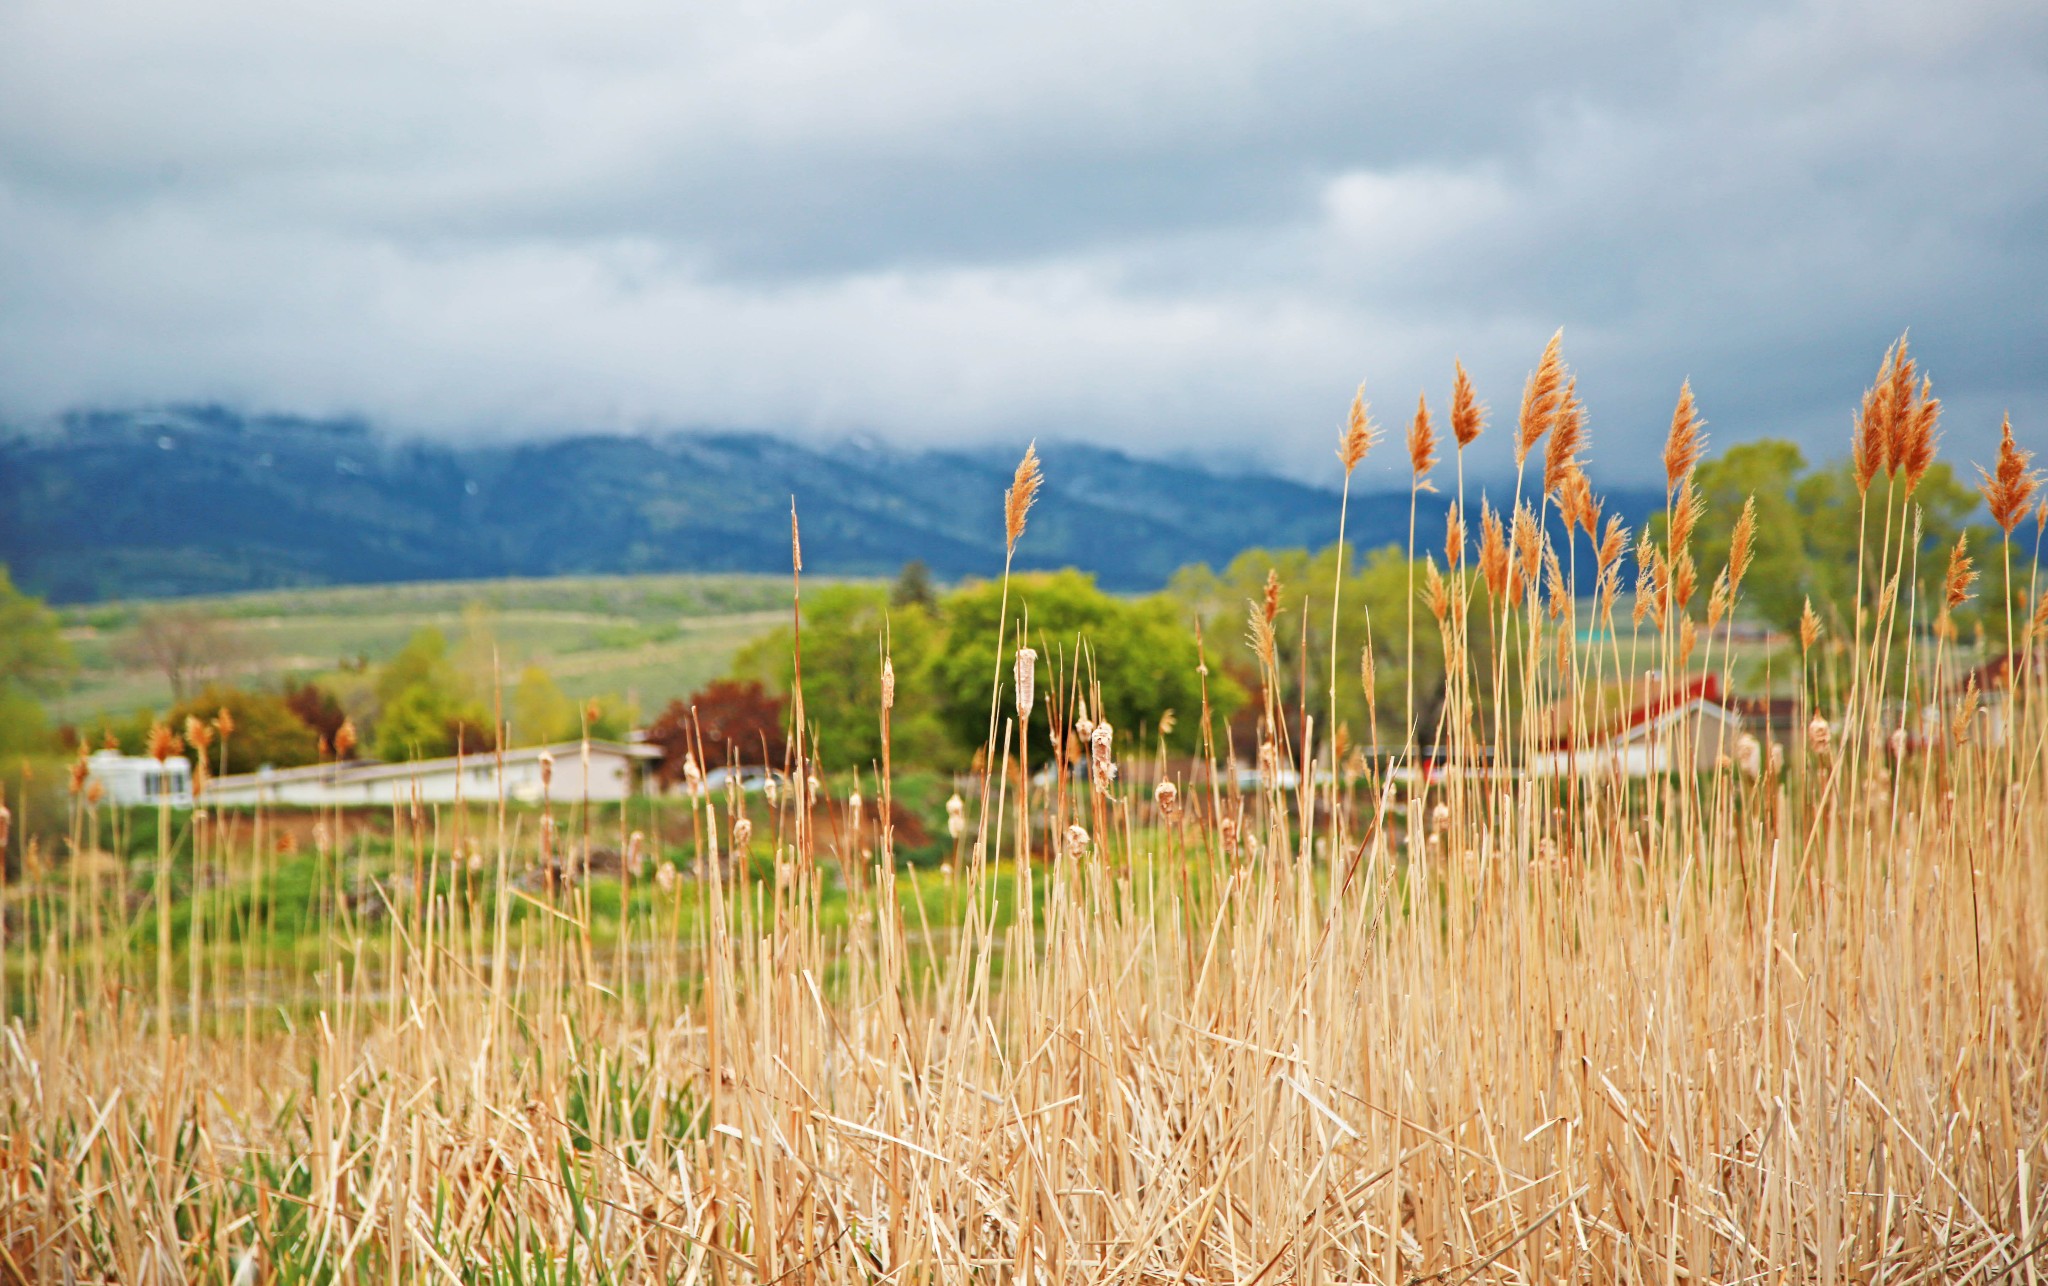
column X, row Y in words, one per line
column 844, row 628
column 267, row 732
column 541, row 713
column 1374, row 608
column 34, row 660
column 1139, row 652
column 423, row 709
column 1808, row 534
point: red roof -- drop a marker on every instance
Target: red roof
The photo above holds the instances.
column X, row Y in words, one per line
column 1707, row 688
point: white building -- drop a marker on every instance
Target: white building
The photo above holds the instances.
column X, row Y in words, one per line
column 611, row 772
column 1691, row 728
column 139, row 779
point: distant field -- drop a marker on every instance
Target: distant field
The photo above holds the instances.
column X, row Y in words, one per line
column 652, row 637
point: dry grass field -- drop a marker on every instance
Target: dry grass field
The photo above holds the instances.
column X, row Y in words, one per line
column 1752, row 1018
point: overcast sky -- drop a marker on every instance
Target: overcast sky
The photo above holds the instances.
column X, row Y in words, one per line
column 1183, row 228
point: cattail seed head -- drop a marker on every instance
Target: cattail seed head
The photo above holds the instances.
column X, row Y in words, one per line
column 888, row 683
column 1468, row 413
column 1166, row 797
column 547, row 770
column 1077, row 842
column 1749, row 756
column 636, row 853
column 1101, row 766
column 1818, row 736
column 1027, row 670
column 665, row 877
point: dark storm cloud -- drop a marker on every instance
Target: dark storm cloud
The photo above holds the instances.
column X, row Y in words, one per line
column 1186, row 226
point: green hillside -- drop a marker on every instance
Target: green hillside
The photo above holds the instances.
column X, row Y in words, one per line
column 647, row 638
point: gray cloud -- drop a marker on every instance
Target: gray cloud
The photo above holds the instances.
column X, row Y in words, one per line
column 1181, row 227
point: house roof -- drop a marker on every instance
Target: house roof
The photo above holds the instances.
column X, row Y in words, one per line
column 370, row 770
column 1655, row 703
column 1996, row 674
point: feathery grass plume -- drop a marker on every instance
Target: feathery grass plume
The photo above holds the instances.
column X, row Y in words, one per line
column 1651, row 578
column 1454, row 537
column 1259, row 633
column 1493, row 551
column 197, row 734
column 1468, row 413
column 1439, row 594
column 1567, row 435
column 345, row 739
column 1018, row 499
column 1271, row 606
column 1898, row 406
column 1966, row 712
column 1688, row 639
column 163, row 743
column 1809, row 628
column 1686, row 512
column 1917, row 437
column 2037, row 624
column 1683, row 445
column 1367, row 674
column 1685, row 578
column 1873, row 447
column 1421, row 439
column 224, row 723
column 2011, row 486
column 1528, row 543
column 1359, row 432
column 1719, row 600
column 1578, row 504
column 1539, row 399
column 1742, row 546
column 1553, row 572
column 1962, row 573
column 1613, row 543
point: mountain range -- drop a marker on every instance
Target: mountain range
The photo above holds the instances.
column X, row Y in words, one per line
column 202, row 500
